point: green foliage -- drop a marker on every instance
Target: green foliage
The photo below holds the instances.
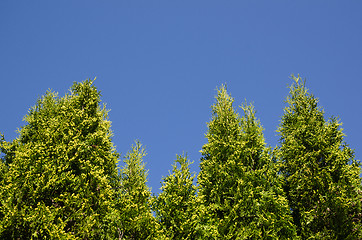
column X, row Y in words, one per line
column 59, row 180
column 3, row 170
column 135, row 201
column 61, row 171
column 239, row 186
column 3, row 166
column 321, row 175
column 176, row 207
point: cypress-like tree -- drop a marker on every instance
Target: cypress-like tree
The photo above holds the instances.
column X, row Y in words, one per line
column 176, row 207
column 3, row 170
column 239, row 186
column 3, row 165
column 322, row 178
column 61, row 171
column 136, row 215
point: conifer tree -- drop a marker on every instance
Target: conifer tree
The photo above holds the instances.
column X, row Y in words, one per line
column 136, row 215
column 322, row 180
column 61, row 171
column 3, row 166
column 3, row 170
column 239, row 185
column 176, row 207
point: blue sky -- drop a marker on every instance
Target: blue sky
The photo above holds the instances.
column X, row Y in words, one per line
column 158, row 64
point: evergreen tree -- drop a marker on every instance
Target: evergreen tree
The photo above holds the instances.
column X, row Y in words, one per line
column 3, row 170
column 3, row 165
column 322, row 180
column 176, row 207
column 61, row 171
column 136, row 215
column 239, row 185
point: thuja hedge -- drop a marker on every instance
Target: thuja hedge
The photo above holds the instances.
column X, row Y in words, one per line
column 59, row 178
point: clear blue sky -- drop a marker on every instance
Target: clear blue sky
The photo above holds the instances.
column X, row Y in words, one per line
column 158, row 64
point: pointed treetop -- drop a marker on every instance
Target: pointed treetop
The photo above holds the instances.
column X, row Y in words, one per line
column 224, row 100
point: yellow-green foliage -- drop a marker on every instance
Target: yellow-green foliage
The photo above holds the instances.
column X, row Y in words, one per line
column 59, row 180
column 61, row 171
column 321, row 175
column 239, row 186
column 176, row 207
column 135, row 201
